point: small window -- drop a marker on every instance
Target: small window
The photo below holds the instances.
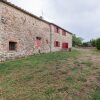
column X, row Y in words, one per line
column 38, row 38
column 12, row 46
column 63, row 32
column 57, row 30
column 47, row 41
column 57, row 44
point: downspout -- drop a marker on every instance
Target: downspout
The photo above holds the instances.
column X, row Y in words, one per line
column 50, row 39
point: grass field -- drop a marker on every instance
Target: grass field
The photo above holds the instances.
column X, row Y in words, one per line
column 54, row 76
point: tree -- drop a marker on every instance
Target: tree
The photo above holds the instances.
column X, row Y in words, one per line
column 74, row 40
column 77, row 41
column 93, row 42
column 85, row 44
column 98, row 43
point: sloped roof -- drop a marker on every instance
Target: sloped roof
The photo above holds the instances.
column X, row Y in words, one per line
column 26, row 12
column 61, row 28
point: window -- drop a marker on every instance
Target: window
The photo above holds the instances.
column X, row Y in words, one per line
column 47, row 41
column 12, row 45
column 57, row 30
column 56, row 44
column 38, row 38
column 38, row 42
column 63, row 32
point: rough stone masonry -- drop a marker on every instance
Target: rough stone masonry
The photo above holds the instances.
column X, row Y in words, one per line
column 23, row 34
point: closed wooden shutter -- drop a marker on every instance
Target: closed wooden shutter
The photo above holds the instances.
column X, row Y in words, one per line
column 58, row 44
column 54, row 43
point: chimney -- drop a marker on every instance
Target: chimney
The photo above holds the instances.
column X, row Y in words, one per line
column 41, row 17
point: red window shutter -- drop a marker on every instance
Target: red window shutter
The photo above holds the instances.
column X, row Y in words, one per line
column 58, row 44
column 62, row 32
column 55, row 30
column 58, row 30
column 54, row 43
column 65, row 33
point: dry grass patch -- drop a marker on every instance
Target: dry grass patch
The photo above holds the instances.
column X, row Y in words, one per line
column 52, row 76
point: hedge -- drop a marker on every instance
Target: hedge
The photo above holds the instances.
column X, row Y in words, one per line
column 98, row 43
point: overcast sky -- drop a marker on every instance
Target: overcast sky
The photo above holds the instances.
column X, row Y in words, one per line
column 81, row 17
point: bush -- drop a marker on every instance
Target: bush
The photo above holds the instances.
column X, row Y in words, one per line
column 93, row 42
column 98, row 43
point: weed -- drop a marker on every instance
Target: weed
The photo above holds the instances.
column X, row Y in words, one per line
column 87, row 63
column 27, row 78
column 82, row 79
column 49, row 91
column 63, row 89
column 70, row 79
column 96, row 93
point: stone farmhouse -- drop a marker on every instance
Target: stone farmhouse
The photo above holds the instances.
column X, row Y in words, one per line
column 23, row 34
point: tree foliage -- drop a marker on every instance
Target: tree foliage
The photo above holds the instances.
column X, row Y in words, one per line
column 77, row 41
column 85, row 44
column 98, row 43
column 93, row 42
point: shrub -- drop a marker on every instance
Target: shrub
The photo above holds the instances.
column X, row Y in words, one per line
column 93, row 42
column 98, row 43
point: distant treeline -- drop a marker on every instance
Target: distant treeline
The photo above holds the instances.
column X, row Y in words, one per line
column 78, row 42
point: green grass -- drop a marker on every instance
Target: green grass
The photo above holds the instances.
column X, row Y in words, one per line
column 96, row 93
column 52, row 76
column 49, row 91
column 96, row 52
column 70, row 79
column 36, row 60
column 87, row 63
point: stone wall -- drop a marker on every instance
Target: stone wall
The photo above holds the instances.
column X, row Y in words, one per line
column 23, row 29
